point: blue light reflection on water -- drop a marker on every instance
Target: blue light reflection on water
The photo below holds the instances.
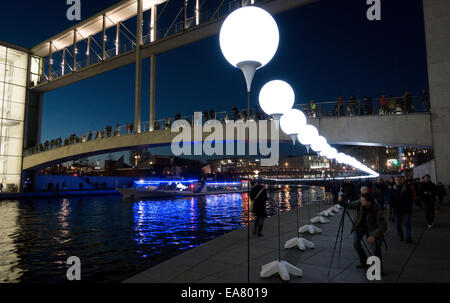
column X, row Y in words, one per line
column 184, row 223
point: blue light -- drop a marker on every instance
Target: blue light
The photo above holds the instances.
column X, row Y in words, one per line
column 223, row 183
column 158, row 182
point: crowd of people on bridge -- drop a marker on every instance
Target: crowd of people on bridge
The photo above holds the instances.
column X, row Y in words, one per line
column 384, row 105
column 73, row 139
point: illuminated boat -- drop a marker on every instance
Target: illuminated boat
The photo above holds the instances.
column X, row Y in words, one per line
column 179, row 188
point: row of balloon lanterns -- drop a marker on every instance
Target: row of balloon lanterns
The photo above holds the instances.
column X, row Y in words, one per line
column 249, row 39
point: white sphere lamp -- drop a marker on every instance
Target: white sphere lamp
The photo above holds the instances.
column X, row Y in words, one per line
column 292, row 122
column 249, row 39
column 276, row 98
column 307, row 135
column 319, row 144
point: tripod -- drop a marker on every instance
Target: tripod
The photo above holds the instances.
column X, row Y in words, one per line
column 339, row 237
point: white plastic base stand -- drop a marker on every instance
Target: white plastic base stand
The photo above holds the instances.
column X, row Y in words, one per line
column 301, row 243
column 336, row 208
column 309, row 228
column 326, row 213
column 283, row 268
column 320, row 219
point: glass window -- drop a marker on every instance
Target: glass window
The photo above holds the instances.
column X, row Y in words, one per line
column 13, row 77
column 17, row 58
column 13, row 93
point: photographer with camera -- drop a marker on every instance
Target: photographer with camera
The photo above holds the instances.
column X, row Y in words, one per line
column 369, row 221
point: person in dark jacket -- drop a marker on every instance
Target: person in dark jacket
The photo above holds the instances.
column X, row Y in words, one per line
column 441, row 192
column 258, row 196
column 402, row 202
column 379, row 190
column 370, row 222
column 428, row 192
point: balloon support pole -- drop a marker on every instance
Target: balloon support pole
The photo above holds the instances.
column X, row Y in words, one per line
column 248, row 69
column 283, row 268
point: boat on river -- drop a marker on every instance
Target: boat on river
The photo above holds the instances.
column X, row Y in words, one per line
column 181, row 188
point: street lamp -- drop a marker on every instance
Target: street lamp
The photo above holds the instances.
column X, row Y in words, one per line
column 249, row 39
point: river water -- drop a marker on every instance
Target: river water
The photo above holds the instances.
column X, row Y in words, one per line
column 116, row 239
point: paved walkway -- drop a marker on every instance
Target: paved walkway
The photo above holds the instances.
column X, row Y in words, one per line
column 224, row 259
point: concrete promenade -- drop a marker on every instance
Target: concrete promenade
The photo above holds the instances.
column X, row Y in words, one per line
column 224, row 259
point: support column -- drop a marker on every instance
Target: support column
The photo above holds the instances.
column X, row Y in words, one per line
column 117, row 42
column 153, row 23
column 197, row 12
column 88, row 51
column 75, row 51
column 437, row 21
column 104, row 38
column 138, row 83
column 184, row 14
column 152, row 92
column 50, row 61
column 63, row 64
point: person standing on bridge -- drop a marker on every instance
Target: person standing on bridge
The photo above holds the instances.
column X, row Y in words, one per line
column 258, row 197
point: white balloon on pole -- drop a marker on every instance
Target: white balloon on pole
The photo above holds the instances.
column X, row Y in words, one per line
column 307, row 134
column 276, row 97
column 249, row 34
column 292, row 122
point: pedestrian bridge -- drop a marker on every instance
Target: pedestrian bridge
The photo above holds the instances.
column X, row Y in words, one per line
column 413, row 130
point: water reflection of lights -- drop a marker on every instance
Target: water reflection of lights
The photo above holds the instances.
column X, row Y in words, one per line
column 63, row 216
column 9, row 259
column 182, row 223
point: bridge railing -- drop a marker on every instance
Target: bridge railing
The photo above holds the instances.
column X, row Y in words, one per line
column 344, row 108
column 223, row 9
column 363, row 107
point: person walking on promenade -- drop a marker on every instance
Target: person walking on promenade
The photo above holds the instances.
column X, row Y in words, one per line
column 370, row 222
column 379, row 190
column 441, row 193
column 428, row 193
column 258, row 197
column 402, row 201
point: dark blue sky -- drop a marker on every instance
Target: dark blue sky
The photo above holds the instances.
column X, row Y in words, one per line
column 326, row 49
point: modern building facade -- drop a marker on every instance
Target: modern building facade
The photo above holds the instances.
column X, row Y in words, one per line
column 13, row 91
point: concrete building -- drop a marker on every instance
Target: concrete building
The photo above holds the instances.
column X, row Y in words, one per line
column 437, row 34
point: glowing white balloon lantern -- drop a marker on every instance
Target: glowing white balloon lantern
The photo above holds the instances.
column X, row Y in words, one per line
column 307, row 135
column 292, row 123
column 319, row 144
column 249, row 39
column 276, row 98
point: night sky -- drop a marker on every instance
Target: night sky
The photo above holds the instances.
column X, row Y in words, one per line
column 326, row 49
